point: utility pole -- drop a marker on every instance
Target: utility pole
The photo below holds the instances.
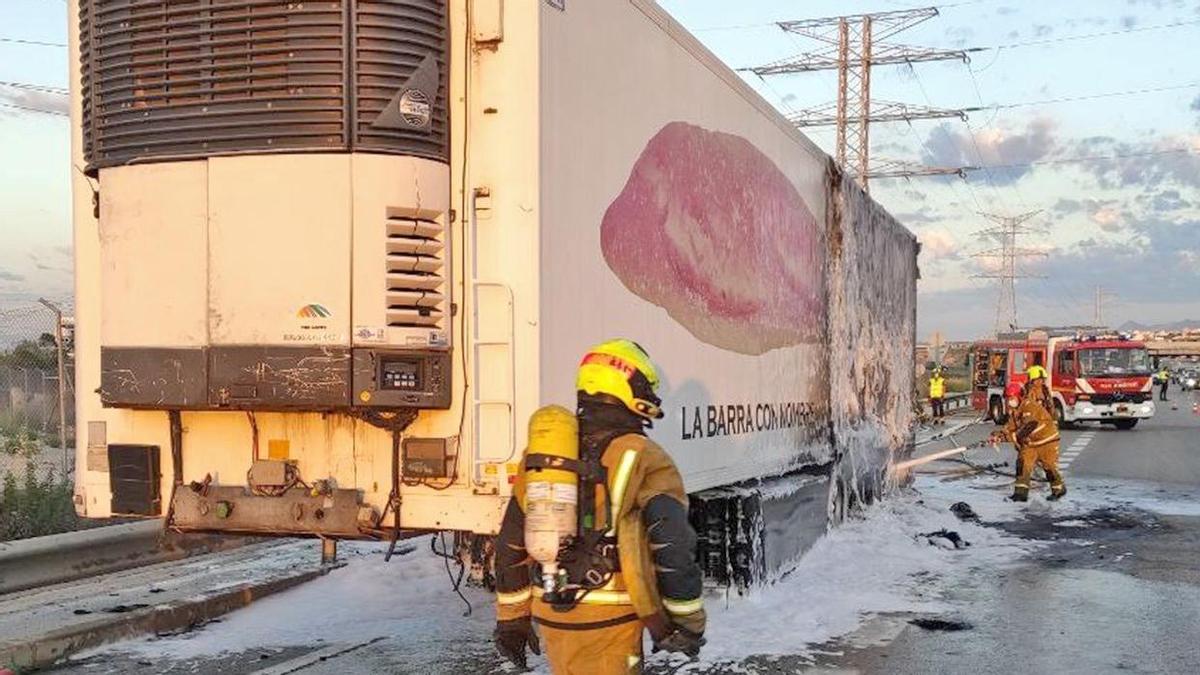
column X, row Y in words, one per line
column 1101, row 296
column 854, row 46
column 1007, row 231
column 62, row 384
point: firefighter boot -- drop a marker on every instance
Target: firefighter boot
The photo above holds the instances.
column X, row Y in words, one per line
column 1020, row 493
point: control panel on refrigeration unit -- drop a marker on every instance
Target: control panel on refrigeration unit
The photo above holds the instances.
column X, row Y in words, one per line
column 402, row 379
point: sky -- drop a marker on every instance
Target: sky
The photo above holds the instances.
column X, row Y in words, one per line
column 1089, row 115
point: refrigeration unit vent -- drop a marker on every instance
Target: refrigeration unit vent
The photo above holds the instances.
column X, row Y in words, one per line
column 164, row 80
column 416, row 274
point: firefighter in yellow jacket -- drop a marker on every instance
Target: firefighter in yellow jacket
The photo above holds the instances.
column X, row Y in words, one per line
column 1032, row 428
column 630, row 565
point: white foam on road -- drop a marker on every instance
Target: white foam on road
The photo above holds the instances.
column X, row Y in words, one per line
column 368, row 598
column 871, row 566
column 875, row 565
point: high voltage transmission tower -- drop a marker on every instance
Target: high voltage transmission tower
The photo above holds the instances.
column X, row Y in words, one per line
column 1007, row 231
column 1101, row 296
column 853, row 49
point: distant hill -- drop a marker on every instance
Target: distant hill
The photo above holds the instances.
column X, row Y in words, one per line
column 1175, row 325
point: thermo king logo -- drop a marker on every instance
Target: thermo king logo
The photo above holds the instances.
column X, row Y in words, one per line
column 313, row 312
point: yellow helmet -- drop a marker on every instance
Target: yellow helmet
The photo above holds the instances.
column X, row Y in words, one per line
column 1035, row 371
column 623, row 370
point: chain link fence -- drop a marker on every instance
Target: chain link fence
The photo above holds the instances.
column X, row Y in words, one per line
column 37, row 425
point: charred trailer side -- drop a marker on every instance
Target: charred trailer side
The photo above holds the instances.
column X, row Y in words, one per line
column 331, row 257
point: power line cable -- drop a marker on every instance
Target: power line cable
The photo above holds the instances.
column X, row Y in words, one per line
column 1097, row 158
column 34, row 43
column 1090, row 97
column 35, row 87
column 26, row 108
column 1092, row 36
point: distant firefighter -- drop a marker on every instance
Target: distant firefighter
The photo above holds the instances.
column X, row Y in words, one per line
column 1034, row 432
column 937, row 396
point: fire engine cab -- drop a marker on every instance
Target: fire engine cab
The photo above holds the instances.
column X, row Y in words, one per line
column 1093, row 378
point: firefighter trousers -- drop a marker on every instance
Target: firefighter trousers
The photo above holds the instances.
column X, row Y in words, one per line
column 611, row 650
column 1028, row 457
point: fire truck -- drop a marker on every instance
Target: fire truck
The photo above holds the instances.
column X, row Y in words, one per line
column 1094, row 377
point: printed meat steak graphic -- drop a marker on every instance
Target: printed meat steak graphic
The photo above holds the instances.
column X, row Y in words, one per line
column 709, row 229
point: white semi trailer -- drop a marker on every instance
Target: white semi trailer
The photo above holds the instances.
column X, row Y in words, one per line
column 331, row 255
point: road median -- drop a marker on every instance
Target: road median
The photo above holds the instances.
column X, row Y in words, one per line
column 42, row 626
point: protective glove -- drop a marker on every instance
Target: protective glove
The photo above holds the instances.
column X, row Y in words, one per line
column 512, row 637
column 680, row 640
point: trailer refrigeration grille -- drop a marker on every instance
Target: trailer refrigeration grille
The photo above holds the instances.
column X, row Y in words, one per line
column 416, row 273
column 181, row 79
column 391, row 41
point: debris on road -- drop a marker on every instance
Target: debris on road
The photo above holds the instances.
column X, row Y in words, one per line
column 947, row 539
column 964, row 512
column 941, row 624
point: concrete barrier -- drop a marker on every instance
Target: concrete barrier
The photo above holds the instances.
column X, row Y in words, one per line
column 40, row 561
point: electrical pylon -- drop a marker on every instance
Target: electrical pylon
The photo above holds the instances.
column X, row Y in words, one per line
column 854, row 48
column 1007, row 231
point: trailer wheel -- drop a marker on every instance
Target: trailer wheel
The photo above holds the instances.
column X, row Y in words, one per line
column 1125, row 425
column 996, row 411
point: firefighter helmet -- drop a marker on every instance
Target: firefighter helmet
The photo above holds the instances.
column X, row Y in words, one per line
column 1012, row 394
column 621, row 369
column 1035, row 372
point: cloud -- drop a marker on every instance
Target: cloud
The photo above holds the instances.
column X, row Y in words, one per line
column 1128, row 22
column 1007, row 151
column 1163, row 201
column 920, row 216
column 915, row 195
column 36, row 100
column 1152, row 265
column 1108, row 217
column 939, row 245
column 10, row 276
column 1066, row 207
column 1042, row 30
column 1166, row 160
column 1195, row 102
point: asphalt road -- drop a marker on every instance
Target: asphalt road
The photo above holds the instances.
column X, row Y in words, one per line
column 1116, row 587
column 1126, row 602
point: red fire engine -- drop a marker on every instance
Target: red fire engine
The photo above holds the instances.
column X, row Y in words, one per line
column 1093, row 378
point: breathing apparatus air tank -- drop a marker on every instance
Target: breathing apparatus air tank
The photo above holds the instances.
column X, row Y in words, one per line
column 551, row 487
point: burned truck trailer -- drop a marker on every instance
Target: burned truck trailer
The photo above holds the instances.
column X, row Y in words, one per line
column 331, row 256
